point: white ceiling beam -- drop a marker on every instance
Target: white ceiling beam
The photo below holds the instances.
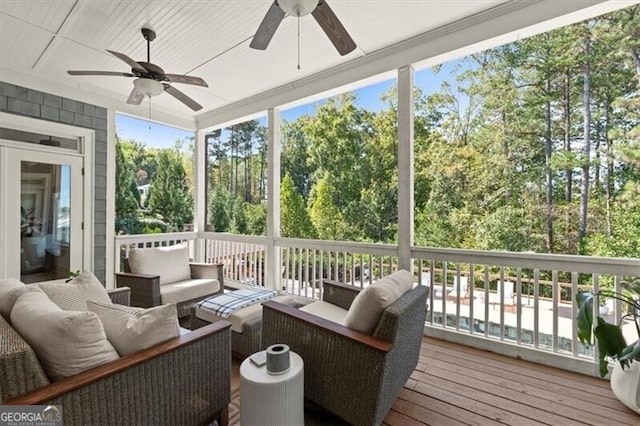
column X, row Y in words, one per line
column 516, row 19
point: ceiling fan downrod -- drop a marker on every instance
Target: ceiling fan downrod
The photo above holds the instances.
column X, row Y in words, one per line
column 148, row 35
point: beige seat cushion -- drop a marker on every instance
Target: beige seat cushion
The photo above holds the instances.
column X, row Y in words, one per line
column 367, row 307
column 171, row 263
column 239, row 317
column 6, row 302
column 182, row 291
column 133, row 329
column 327, row 311
column 65, row 342
column 73, row 295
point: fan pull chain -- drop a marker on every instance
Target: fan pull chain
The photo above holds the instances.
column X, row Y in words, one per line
column 298, row 41
column 149, row 112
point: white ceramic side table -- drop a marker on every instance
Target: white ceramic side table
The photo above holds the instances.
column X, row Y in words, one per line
column 267, row 399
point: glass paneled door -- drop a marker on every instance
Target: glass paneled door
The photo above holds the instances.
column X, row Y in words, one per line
column 42, row 210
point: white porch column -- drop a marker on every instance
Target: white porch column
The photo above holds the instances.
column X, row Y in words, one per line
column 200, row 187
column 405, row 166
column 273, row 261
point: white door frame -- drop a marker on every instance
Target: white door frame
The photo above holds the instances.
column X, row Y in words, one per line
column 84, row 155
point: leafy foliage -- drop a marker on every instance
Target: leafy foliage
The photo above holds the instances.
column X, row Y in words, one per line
column 611, row 342
column 170, row 195
column 294, row 218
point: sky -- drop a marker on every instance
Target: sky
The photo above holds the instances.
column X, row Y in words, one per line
column 161, row 136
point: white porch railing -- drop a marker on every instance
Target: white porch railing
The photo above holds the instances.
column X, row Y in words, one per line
column 519, row 304
column 307, row 263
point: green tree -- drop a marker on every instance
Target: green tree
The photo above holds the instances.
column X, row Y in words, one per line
column 239, row 217
column 294, row 158
column 256, row 218
column 220, row 209
column 126, row 203
column 294, row 219
column 170, row 195
column 325, row 216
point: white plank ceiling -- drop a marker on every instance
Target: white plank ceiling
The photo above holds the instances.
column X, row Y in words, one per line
column 208, row 39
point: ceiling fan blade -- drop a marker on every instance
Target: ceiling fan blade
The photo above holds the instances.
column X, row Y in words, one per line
column 182, row 97
column 186, row 79
column 267, row 27
column 120, row 74
column 136, row 97
column 334, row 29
column 133, row 64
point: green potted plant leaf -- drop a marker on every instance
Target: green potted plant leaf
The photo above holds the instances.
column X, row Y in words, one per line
column 625, row 378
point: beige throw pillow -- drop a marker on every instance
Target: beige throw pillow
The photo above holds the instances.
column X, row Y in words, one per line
column 73, row 295
column 7, row 285
column 66, row 343
column 171, row 263
column 367, row 307
column 133, row 329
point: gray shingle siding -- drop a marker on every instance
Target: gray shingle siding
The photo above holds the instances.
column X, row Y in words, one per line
column 23, row 101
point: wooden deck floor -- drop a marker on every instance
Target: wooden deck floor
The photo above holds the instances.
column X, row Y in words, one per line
column 455, row 384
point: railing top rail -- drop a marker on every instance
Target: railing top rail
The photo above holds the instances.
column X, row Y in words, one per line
column 145, row 238
column 346, row 246
column 238, row 238
column 559, row 262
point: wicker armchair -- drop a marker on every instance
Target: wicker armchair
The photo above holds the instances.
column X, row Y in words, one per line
column 352, row 374
column 183, row 381
column 146, row 290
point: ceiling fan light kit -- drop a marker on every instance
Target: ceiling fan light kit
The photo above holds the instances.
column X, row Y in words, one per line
column 298, row 7
column 148, row 86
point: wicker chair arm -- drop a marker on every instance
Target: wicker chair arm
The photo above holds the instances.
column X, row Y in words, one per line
column 339, row 294
column 125, row 275
column 274, row 310
column 145, row 288
column 331, row 357
column 208, row 270
column 120, row 296
column 188, row 377
column 20, row 370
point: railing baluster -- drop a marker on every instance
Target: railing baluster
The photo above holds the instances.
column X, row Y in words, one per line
column 518, row 305
column 486, row 301
column 502, row 304
column 444, row 295
column 314, row 274
column 300, row 274
column 574, row 312
column 536, row 304
column 458, row 293
column 321, row 274
column 596, row 309
column 471, row 284
column 555, row 297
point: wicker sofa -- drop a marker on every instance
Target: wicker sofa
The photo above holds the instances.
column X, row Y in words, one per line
column 183, row 381
column 352, row 374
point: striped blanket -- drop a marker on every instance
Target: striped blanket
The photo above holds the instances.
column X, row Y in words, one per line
column 226, row 304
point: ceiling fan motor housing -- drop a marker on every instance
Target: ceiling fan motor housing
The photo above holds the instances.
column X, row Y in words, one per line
column 153, row 71
column 298, row 7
